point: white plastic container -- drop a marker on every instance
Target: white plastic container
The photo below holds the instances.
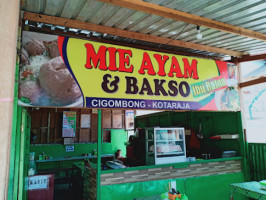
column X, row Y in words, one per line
column 158, row 136
column 263, row 185
column 177, row 137
column 171, row 136
column 31, row 172
column 164, row 135
column 192, row 159
column 32, row 155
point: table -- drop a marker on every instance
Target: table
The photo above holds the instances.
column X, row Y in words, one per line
column 77, row 178
column 79, row 166
column 60, row 160
column 73, row 158
column 249, row 189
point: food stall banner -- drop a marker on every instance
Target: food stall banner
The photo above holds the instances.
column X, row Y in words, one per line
column 68, row 72
column 69, row 124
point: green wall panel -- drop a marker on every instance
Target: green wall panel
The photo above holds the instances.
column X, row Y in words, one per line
column 212, row 187
column 129, row 191
column 196, row 188
column 257, row 160
column 118, row 138
column 212, row 123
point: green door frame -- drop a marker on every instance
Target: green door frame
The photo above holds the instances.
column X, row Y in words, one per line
column 14, row 181
column 12, row 184
column 24, row 154
column 20, row 155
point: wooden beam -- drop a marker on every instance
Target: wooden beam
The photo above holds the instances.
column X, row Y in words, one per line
column 59, row 21
column 252, row 82
column 22, row 3
column 252, row 58
column 162, row 11
column 108, row 41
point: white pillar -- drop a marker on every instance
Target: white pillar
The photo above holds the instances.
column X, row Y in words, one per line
column 9, row 15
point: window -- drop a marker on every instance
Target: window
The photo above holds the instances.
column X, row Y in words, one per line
column 254, row 100
column 113, row 119
column 106, row 136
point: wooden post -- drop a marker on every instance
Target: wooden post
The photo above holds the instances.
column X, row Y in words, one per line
column 13, row 191
column 242, row 120
column 99, row 148
column 22, row 159
column 9, row 15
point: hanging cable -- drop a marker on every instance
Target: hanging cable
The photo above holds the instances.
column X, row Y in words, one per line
column 177, row 35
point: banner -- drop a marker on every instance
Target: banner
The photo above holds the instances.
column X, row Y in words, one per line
column 69, row 124
column 68, row 72
column 129, row 119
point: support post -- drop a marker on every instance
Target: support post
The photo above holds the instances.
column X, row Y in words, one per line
column 241, row 119
column 9, row 15
column 99, row 148
column 13, row 153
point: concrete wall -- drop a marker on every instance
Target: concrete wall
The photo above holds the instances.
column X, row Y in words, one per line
column 195, row 169
column 9, row 14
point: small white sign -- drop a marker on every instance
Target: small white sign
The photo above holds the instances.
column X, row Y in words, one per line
column 38, row 182
column 69, row 124
column 130, row 119
column 85, row 121
column 69, row 148
column 94, row 111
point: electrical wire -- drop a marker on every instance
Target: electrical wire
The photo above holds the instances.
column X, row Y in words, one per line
column 178, row 34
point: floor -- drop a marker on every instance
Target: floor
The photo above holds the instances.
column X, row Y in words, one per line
column 64, row 192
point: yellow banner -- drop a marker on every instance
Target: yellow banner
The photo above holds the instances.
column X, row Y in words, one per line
column 112, row 76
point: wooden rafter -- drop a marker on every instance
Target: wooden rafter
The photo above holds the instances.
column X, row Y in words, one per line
column 109, row 41
column 162, row 11
column 59, row 21
column 252, row 82
column 247, row 58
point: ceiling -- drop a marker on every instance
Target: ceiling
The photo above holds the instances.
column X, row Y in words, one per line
column 165, row 32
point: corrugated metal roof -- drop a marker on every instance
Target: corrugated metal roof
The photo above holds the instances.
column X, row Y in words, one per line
column 249, row 14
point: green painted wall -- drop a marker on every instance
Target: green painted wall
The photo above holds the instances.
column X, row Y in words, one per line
column 257, row 160
column 212, row 123
column 129, row 191
column 197, row 188
column 118, row 138
column 213, row 187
